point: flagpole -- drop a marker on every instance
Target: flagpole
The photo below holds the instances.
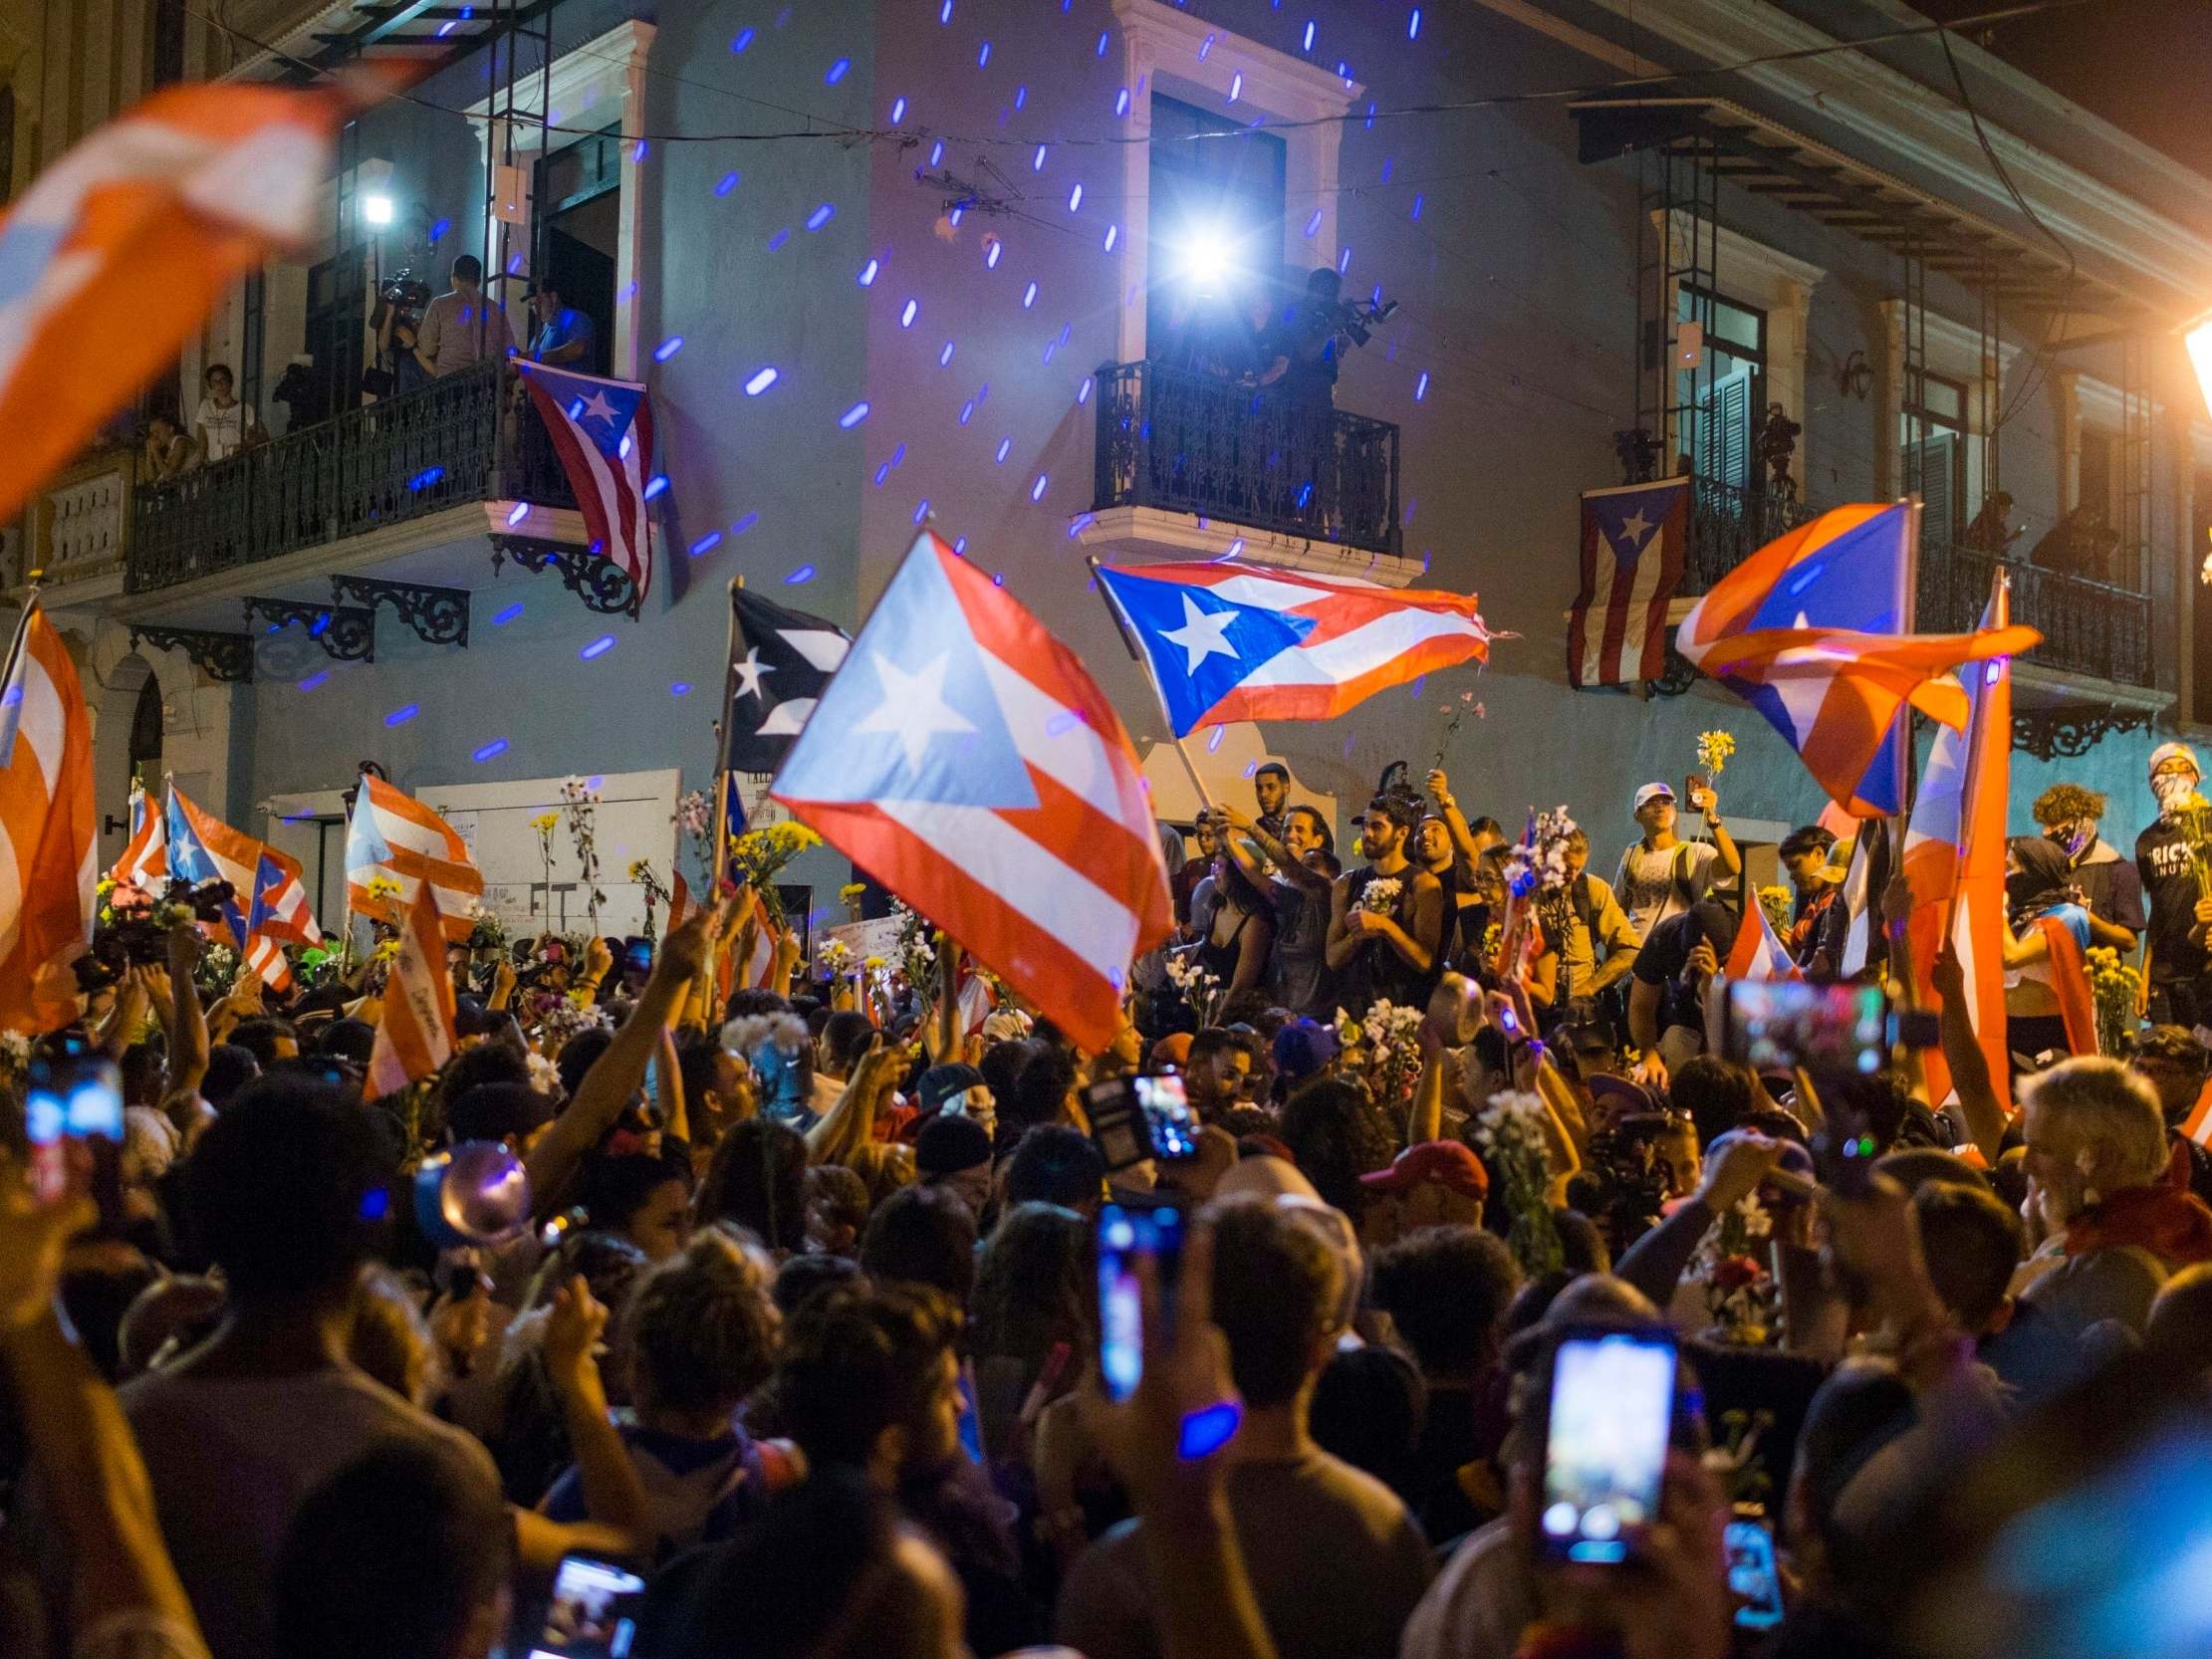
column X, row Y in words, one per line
column 703, row 987
column 1122, row 626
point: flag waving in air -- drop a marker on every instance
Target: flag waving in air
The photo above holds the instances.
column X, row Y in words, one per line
column 415, row 1036
column 202, row 848
column 1757, row 953
column 779, row 662
column 1808, row 630
column 603, row 430
column 121, row 249
column 1231, row 643
column 963, row 758
column 279, row 917
column 48, row 844
column 394, row 837
column 145, row 860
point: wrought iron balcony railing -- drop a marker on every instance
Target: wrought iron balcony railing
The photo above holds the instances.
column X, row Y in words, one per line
column 457, row 440
column 2088, row 627
column 1187, row 442
column 1729, row 523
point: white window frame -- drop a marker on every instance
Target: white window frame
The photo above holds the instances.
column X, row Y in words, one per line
column 1954, row 352
column 1750, row 273
column 1171, row 50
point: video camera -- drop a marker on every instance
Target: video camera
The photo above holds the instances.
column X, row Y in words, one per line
column 402, row 290
column 1356, row 322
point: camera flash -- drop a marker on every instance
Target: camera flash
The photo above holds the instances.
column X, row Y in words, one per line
column 376, row 211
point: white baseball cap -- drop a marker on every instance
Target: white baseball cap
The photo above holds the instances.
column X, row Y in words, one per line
column 2174, row 751
column 1653, row 791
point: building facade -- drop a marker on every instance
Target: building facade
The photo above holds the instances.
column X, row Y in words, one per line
column 949, row 263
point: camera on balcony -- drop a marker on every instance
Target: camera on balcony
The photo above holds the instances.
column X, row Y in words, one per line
column 1357, row 323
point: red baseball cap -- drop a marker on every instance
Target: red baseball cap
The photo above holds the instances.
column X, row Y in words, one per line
column 1172, row 1050
column 1446, row 1162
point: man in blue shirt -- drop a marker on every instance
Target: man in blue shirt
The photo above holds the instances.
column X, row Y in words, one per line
column 561, row 336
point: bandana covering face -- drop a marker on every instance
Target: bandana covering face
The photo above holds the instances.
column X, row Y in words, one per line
column 2172, row 788
column 2072, row 837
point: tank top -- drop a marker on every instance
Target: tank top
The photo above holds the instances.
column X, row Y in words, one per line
column 1376, row 973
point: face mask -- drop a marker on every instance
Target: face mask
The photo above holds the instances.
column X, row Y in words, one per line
column 2071, row 838
column 2171, row 787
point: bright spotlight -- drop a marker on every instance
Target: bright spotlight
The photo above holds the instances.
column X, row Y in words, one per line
column 376, row 209
column 2199, row 342
column 1208, row 255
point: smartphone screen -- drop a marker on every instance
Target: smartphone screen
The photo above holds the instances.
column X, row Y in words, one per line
column 1134, row 1119
column 72, row 1098
column 1752, row 1578
column 589, row 1615
column 1125, row 1235
column 1166, row 1108
column 1779, row 1025
column 1613, row 1404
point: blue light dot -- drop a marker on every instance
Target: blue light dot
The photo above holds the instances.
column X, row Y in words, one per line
column 1122, row 102
column 1390, row 165
column 1418, row 201
column 936, row 152
column 921, row 510
column 760, row 382
column 597, row 647
column 956, row 215
column 1020, row 94
column 1037, row 161
column 882, row 472
column 707, row 542
column 315, row 679
column 991, row 253
column 1006, row 446
column 1368, row 123
column 945, row 15
column 1313, row 226
column 726, row 185
column 1421, row 389
column 1037, row 490
column 497, row 746
column 1083, row 392
column 779, row 239
column 1075, row 198
column 1307, row 45
column 744, row 39
column 1413, row 25
column 657, row 484
column 908, row 313
column 1204, row 46
column 1214, row 741
column 1236, row 85
column 866, row 278
column 681, row 688
column 517, row 513
column 853, row 416
column 960, row 547
column 820, row 216
column 837, row 72
column 744, row 523
column 967, row 411
column 438, row 230
column 402, row 714
column 983, row 58
column 1236, row 546
column 1112, row 235
column 500, row 618
column 1104, row 37
column 668, row 349
column 945, row 356
column 1343, row 261
column 1029, row 296
column 899, row 111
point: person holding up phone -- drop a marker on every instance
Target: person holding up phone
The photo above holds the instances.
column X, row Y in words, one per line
column 1660, row 875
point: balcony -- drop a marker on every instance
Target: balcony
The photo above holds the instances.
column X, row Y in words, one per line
column 455, row 443
column 1191, row 465
column 2090, row 629
column 1728, row 523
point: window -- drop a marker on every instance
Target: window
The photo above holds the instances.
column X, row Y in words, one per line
column 337, row 303
column 168, row 44
column 1931, row 445
column 1216, row 225
column 2098, row 492
column 1728, row 387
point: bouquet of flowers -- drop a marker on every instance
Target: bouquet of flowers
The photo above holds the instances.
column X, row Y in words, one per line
column 559, row 1015
column 1776, row 902
column 834, row 959
column 850, row 896
column 1740, row 1294
column 2192, row 815
column 1713, row 750
column 217, row 969
column 1379, row 897
column 1196, row 983
column 579, row 805
column 696, row 817
column 2114, row 985
column 1535, row 879
column 1394, row 1051
column 918, row 954
column 758, row 854
column 486, row 932
column 1510, row 1132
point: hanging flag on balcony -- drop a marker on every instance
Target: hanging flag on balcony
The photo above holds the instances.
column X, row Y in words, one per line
column 202, row 848
column 48, row 839
column 603, row 430
column 145, row 860
column 1810, row 630
column 1231, row 643
column 1634, row 539
column 119, row 251
column 779, row 662
column 963, row 758
column 394, row 838
column 279, row 917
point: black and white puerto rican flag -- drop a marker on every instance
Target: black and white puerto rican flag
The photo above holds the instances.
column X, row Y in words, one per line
column 779, row 662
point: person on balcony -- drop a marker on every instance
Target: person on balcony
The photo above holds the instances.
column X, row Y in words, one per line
column 1992, row 530
column 169, row 452
column 463, row 326
column 223, row 425
column 563, row 337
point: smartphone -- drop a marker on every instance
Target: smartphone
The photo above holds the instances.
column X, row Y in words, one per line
column 1605, row 1454
column 1752, row 1578
column 74, row 1100
column 1126, row 1237
column 1692, row 787
column 1778, row 1024
column 637, row 956
column 591, row 1613
column 1134, row 1119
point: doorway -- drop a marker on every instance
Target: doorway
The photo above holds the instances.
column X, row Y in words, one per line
column 579, row 232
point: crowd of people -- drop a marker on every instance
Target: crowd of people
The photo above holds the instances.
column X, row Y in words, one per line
column 795, row 1339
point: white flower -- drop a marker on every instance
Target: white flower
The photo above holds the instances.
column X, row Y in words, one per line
column 1380, row 895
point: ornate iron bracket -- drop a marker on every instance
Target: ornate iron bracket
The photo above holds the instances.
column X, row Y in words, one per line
column 438, row 615
column 1677, row 679
column 226, row 657
column 603, row 585
column 344, row 633
column 2050, row 733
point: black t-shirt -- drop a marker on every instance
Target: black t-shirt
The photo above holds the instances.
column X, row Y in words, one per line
column 2169, row 881
column 2115, row 892
column 1666, row 953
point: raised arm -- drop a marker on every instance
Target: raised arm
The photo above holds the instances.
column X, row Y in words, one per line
column 1456, row 821
column 1979, row 1104
column 188, row 1045
column 1731, row 859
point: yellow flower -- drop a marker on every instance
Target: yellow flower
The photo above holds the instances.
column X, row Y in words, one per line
column 873, row 964
column 545, row 821
column 1713, row 750
column 383, row 886
column 852, row 890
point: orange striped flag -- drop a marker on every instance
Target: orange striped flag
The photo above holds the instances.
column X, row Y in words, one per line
column 415, row 1036
column 2197, row 1126
column 394, row 837
column 118, row 251
column 48, row 844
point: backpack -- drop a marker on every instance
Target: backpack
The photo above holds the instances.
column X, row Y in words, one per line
column 1679, row 869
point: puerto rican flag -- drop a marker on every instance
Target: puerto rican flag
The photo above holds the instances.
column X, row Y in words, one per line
column 1810, row 631
column 416, row 1035
column 1757, row 953
column 395, row 836
column 145, row 860
column 1634, row 539
column 48, row 839
column 1230, row 642
column 279, row 917
column 603, row 430
column 202, row 848
column 962, row 758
